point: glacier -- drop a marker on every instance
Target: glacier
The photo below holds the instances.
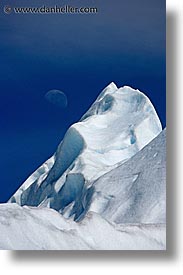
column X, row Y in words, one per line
column 119, row 124
column 125, row 222
column 106, row 181
column 32, row 228
column 135, row 192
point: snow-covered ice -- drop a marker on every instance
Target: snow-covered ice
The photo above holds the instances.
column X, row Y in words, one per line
column 25, row 228
column 119, row 124
column 136, row 190
column 104, row 188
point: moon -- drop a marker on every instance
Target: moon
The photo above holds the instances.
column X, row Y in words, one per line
column 56, row 97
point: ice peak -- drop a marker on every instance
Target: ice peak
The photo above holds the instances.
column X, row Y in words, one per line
column 112, row 85
column 117, row 125
column 128, row 89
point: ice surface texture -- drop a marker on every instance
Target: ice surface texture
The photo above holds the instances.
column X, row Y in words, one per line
column 104, row 188
column 118, row 125
column 135, row 192
column 25, row 228
column 127, row 211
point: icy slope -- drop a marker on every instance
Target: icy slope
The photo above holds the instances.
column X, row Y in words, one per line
column 135, row 192
column 24, row 228
column 119, row 124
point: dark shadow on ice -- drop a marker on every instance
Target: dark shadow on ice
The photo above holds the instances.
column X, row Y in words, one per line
column 172, row 149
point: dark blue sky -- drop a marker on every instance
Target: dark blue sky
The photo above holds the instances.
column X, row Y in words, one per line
column 80, row 55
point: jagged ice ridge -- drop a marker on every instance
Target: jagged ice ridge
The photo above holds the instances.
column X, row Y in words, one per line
column 104, row 188
column 119, row 124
